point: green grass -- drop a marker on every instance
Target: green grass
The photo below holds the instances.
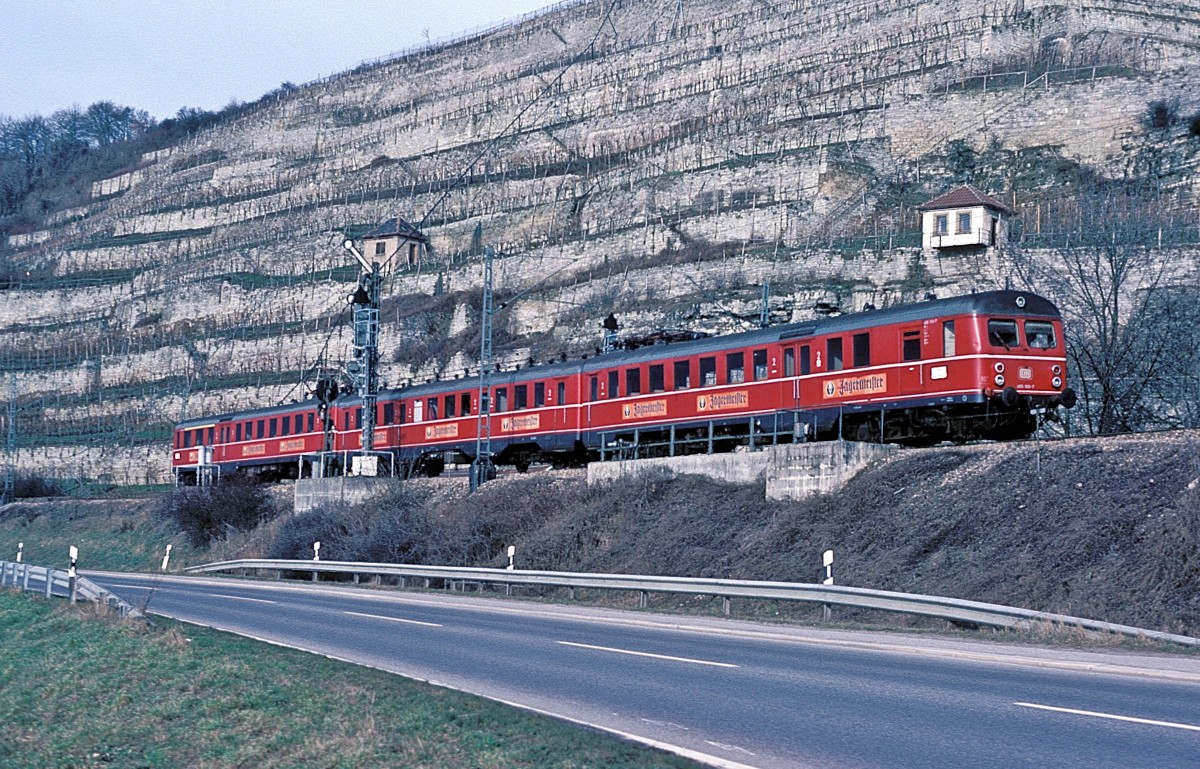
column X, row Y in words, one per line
column 80, row 690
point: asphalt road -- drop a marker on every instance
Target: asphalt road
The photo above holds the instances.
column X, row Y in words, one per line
column 732, row 693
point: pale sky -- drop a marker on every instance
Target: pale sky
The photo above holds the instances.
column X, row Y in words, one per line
column 160, row 55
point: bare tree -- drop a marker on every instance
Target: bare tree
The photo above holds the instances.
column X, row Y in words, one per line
column 1106, row 280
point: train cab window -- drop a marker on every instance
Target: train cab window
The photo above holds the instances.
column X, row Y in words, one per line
column 401, row 412
column 683, row 374
column 465, row 404
column 1003, row 333
column 539, row 394
column 911, row 345
column 633, row 381
column 431, row 408
column 789, row 361
column 614, row 385
column 521, row 396
column 735, row 368
column 1040, row 334
column 658, row 382
column 708, row 371
column 760, row 365
column 833, row 354
column 358, row 418
column 389, row 413
column 187, row 439
column 948, row 339
column 562, row 393
column 312, row 417
column 805, row 360
column 501, row 399
column 862, row 350
column 449, row 406
column 210, row 436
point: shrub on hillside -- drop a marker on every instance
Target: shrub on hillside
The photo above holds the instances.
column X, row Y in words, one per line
column 209, row 513
column 28, row 486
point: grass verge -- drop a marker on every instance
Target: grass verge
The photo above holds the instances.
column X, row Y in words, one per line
column 78, row 689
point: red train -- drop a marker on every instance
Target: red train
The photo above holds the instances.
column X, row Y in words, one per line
column 982, row 366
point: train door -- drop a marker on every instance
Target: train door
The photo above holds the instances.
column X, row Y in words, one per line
column 912, row 339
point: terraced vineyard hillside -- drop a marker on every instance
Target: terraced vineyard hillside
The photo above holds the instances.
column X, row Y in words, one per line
column 655, row 159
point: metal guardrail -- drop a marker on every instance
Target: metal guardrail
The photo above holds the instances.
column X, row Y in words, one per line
column 56, row 582
column 951, row 609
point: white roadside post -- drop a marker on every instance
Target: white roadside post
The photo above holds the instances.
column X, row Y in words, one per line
column 827, row 562
column 316, row 557
column 74, row 553
column 166, row 558
column 512, row 551
column 20, row 550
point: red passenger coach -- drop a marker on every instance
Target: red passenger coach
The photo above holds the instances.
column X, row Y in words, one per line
column 982, row 366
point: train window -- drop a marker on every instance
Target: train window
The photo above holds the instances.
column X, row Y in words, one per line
column 735, row 368
column 562, row 393
column 262, row 428
column 187, row 439
column 210, row 436
column 805, row 360
column 237, row 431
column 285, row 426
column 312, row 419
column 449, row 406
column 683, row 374
column 658, row 381
column 501, row 399
column 299, row 424
column 862, row 350
column 389, row 413
column 760, row 365
column 358, row 418
column 911, row 346
column 833, row 354
column 418, row 410
column 614, row 384
column 633, row 381
column 948, row 341
column 1040, row 334
column 1003, row 333
column 539, row 394
column 431, row 408
column 521, row 396
column 789, row 361
column 708, row 371
column 464, row 403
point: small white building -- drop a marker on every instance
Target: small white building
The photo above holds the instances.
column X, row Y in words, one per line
column 396, row 245
column 963, row 219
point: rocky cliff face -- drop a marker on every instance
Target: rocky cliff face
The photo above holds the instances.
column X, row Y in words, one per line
column 658, row 165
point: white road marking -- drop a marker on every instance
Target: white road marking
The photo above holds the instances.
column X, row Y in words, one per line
column 392, row 619
column 1094, row 714
column 648, row 654
column 241, row 598
column 730, row 748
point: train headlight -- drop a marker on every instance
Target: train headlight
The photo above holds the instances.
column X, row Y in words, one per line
column 999, row 380
column 999, row 366
column 1056, row 369
column 1057, row 382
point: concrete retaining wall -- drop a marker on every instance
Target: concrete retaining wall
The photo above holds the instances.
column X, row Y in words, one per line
column 312, row 493
column 793, row 471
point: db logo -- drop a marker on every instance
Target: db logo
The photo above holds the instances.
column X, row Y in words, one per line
column 830, row 389
column 702, row 403
column 627, row 411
